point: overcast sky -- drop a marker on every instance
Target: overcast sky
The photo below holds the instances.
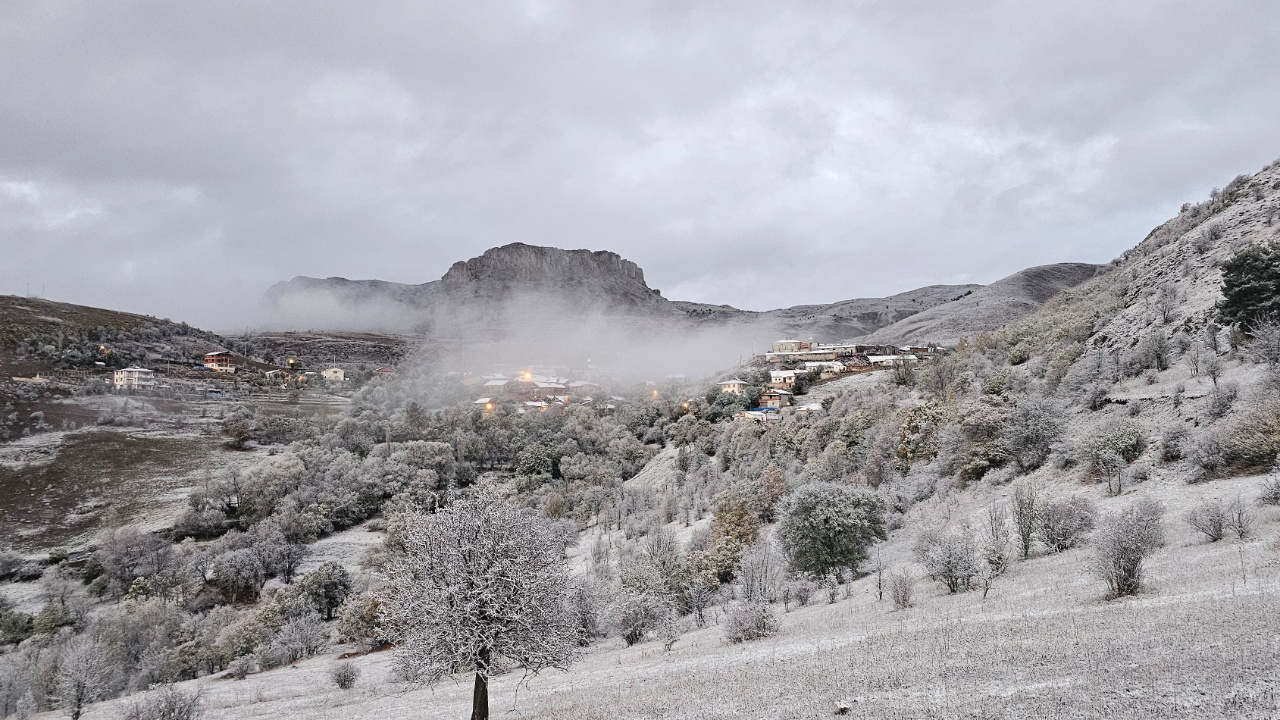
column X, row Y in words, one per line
column 177, row 158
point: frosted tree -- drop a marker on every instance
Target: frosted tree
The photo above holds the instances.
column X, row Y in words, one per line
column 481, row 585
column 85, row 675
column 824, row 527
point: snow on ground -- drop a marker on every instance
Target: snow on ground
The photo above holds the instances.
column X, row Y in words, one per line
column 1203, row 641
column 856, row 381
column 25, row 596
column 346, row 547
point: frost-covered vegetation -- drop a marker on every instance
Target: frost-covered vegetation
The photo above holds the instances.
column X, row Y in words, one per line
column 675, row 521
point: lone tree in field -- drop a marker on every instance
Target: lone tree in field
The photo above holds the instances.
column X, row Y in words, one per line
column 1123, row 541
column 826, row 527
column 480, row 586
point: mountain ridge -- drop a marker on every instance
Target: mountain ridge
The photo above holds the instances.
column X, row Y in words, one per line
column 495, row 290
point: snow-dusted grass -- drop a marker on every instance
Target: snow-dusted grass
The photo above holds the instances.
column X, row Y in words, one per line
column 1202, row 641
column 346, row 547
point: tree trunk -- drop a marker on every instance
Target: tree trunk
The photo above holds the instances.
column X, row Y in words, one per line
column 480, row 697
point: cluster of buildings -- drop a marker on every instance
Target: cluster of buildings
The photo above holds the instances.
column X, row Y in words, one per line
column 530, row 391
column 847, row 354
column 223, row 361
column 820, row 361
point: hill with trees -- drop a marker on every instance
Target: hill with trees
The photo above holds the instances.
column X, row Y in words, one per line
column 1071, row 515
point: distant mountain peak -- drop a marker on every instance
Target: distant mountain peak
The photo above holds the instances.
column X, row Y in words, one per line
column 521, row 263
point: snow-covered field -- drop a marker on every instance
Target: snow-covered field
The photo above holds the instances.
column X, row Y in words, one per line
column 1202, row 641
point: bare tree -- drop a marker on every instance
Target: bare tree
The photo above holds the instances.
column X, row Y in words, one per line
column 996, row 531
column 1112, row 466
column 1265, row 346
column 1239, row 518
column 481, row 585
column 762, row 570
column 902, row 585
column 1026, row 507
column 85, row 675
column 1212, row 365
column 1167, row 303
column 1195, row 357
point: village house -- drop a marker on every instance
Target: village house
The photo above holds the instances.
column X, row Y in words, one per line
column 221, row 361
column 486, row 405
column 737, row 387
column 333, row 375
column 775, row 399
column 790, row 346
column 882, row 361
column 385, row 371
column 826, row 370
column 133, row 378
column 782, row 378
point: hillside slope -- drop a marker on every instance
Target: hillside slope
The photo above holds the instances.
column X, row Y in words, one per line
column 1170, row 283
column 986, row 308
column 40, row 334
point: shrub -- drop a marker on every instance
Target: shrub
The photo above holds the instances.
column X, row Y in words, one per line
column 746, row 621
column 1032, row 428
column 902, row 585
column 949, row 557
column 327, row 587
column 826, row 527
column 634, row 615
column 1020, row 353
column 799, row 591
column 1123, row 542
column 10, row 561
column 241, row 667
column 167, row 703
column 344, row 675
column 14, row 626
column 1265, row 345
column 1270, row 491
column 1239, row 518
column 1210, row 519
column 1253, row 440
column 1221, row 398
column 302, row 637
column 358, row 622
column 1121, row 437
column 1062, row 523
column 1172, row 438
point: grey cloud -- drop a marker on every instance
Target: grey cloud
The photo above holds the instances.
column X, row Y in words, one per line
column 158, row 154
